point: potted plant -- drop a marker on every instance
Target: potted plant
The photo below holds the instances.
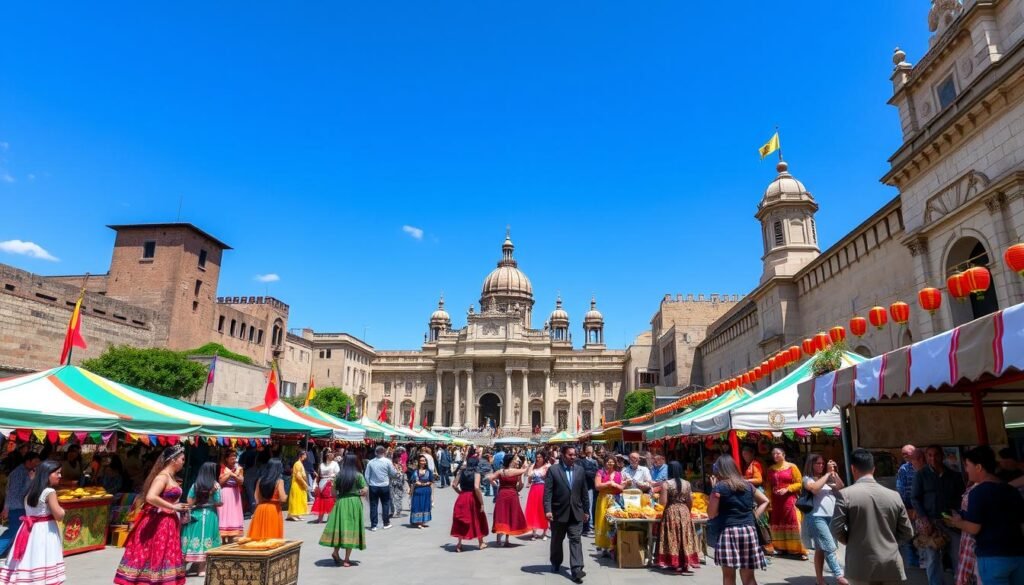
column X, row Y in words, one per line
column 829, row 359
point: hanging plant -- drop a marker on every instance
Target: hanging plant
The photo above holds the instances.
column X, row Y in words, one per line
column 829, row 359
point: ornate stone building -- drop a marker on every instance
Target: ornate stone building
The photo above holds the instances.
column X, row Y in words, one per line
column 498, row 369
column 960, row 177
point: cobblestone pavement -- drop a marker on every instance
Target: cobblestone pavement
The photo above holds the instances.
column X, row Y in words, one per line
column 410, row 556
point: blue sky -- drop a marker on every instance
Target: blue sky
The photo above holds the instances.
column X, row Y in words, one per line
column 617, row 139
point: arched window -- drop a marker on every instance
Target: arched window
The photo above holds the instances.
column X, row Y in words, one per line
column 241, row 331
column 967, row 252
column 863, row 351
column 252, row 334
column 779, row 239
column 231, row 331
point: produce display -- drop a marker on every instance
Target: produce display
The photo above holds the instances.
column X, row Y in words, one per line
column 268, row 544
column 699, row 508
column 86, row 493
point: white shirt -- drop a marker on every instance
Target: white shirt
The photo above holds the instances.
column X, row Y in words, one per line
column 430, row 462
column 640, row 476
column 330, row 470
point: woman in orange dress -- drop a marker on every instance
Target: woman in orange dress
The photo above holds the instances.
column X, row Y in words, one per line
column 754, row 473
column 784, row 484
column 267, row 521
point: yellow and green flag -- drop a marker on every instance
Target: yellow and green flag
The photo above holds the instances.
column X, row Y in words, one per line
column 771, row 146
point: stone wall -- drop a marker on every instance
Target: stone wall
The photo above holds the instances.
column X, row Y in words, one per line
column 679, row 327
column 234, row 384
column 34, row 315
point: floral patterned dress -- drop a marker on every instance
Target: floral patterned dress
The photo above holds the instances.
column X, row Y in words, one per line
column 152, row 554
column 203, row 529
column 677, row 546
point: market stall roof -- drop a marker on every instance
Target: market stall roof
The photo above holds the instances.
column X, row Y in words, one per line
column 278, row 426
column 512, row 441
column 680, row 424
column 342, row 423
column 406, row 433
column 316, row 428
column 387, row 430
column 78, row 400
column 772, row 409
column 988, row 349
column 562, row 437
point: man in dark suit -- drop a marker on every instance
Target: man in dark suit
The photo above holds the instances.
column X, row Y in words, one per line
column 567, row 506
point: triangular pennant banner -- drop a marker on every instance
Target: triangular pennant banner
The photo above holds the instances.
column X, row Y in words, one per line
column 172, row 440
column 107, row 436
column 52, row 436
column 23, row 434
column 39, row 434
column 96, row 437
column 64, row 436
column 80, row 436
column 788, row 434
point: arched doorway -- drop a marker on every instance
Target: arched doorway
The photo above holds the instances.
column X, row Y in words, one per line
column 490, row 410
column 965, row 253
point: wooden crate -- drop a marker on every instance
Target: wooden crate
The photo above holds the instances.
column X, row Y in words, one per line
column 231, row 565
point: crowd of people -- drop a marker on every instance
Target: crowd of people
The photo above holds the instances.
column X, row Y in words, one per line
column 933, row 521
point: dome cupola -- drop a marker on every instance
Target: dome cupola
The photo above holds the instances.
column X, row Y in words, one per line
column 788, row 232
column 506, row 288
column 440, row 321
column 559, row 323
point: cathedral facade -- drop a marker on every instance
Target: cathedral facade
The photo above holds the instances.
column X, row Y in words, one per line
column 498, row 370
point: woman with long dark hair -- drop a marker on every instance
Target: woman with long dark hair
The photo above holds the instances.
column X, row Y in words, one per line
column 509, row 519
column 323, row 494
column 230, row 513
column 822, row 480
column 152, row 553
column 468, row 518
column 677, row 547
column 37, row 555
column 608, row 485
column 298, row 495
column 345, row 527
column 784, row 485
column 732, row 499
column 203, row 530
column 537, row 474
column 266, row 520
column 422, row 489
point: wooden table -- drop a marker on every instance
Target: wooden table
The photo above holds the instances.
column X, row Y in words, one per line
column 232, row 565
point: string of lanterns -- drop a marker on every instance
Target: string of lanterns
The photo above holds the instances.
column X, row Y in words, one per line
column 973, row 280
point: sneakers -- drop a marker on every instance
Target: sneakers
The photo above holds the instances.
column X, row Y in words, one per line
column 374, row 529
column 387, row 526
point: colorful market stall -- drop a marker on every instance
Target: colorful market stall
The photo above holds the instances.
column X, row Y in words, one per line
column 562, row 437
column 279, row 427
column 368, row 433
column 317, row 428
column 680, row 424
column 772, row 409
column 957, row 384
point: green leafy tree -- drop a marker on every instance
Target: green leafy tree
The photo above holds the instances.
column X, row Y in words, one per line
column 158, row 370
column 331, row 400
column 219, row 350
column 637, row 403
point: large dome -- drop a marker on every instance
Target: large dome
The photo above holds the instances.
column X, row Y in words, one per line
column 507, row 279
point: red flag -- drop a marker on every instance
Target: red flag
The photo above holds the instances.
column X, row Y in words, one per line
column 577, row 423
column 383, row 416
column 73, row 338
column 424, row 421
column 412, row 417
column 271, row 395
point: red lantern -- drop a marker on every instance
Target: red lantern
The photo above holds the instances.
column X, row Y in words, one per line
column 757, row 374
column 978, row 280
column 1014, row 257
column 794, row 353
column 930, row 299
column 878, row 317
column 900, row 312
column 821, row 341
column 808, row 346
column 745, row 379
column 957, row 286
column 766, row 368
column 837, row 333
column 858, row 326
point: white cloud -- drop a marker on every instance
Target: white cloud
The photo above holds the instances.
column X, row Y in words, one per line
column 6, row 177
column 268, row 277
column 415, row 232
column 30, row 249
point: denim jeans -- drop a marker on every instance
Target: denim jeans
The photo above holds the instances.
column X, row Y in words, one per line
column 818, row 536
column 445, row 477
column 13, row 524
column 485, row 486
column 380, row 494
column 1001, row 570
column 933, row 557
column 911, row 558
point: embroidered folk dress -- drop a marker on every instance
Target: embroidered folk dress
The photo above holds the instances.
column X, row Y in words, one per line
column 152, row 554
column 203, row 530
column 41, row 562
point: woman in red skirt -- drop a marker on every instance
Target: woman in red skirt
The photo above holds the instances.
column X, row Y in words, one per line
column 327, row 471
column 508, row 512
column 468, row 518
column 537, row 474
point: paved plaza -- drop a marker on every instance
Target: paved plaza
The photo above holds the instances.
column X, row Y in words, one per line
column 408, row 555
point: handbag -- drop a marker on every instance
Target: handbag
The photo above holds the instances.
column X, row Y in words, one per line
column 805, row 501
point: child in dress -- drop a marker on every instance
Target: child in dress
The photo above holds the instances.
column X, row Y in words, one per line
column 37, row 556
column 202, row 532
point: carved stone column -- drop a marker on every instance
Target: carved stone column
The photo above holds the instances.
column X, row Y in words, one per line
column 456, row 416
column 438, row 421
column 524, row 407
column 549, row 402
column 469, row 397
column 508, row 422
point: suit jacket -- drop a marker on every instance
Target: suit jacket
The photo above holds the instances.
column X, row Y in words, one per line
column 563, row 501
column 871, row 520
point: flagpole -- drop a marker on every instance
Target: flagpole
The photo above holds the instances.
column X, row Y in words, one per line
column 780, row 142
column 81, row 296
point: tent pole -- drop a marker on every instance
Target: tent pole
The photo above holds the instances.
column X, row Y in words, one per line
column 844, row 433
column 979, row 418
